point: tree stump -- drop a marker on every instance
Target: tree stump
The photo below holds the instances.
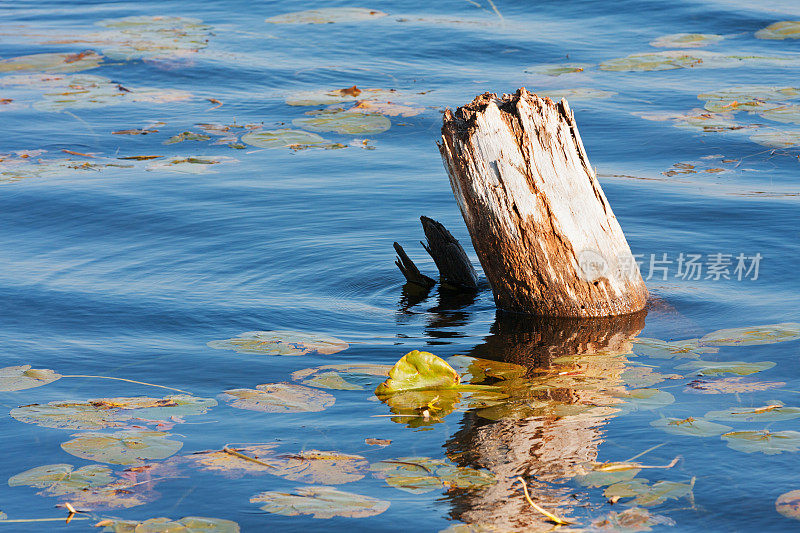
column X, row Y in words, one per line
column 543, row 230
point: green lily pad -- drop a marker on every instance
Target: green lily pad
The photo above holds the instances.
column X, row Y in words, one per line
column 419, row 371
column 686, row 40
column 344, row 122
column 282, row 138
column 750, row 98
column 559, row 68
column 788, row 504
column 327, row 16
column 787, row 114
column 648, row 495
column 315, row 466
column 16, row 378
column 190, row 524
column 604, row 474
column 187, row 136
column 418, row 475
column 763, row 441
column 731, row 386
column 777, row 138
column 767, row 413
column 659, row 349
column 768, row 334
column 282, row 343
column 320, row 502
column 675, row 59
column 342, row 377
column 787, row 29
column 696, row 427
column 52, row 62
column 60, row 479
column 631, row 520
column 109, row 412
column 581, row 93
column 122, row 447
column 150, row 37
column 644, row 399
column 712, row 368
column 279, row 398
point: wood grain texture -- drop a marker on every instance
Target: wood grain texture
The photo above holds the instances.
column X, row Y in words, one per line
column 543, row 230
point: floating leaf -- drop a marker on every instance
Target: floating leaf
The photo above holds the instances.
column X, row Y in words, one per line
column 150, row 37
column 477, row 370
column 763, row 441
column 558, row 69
column 314, row 466
column 659, row 349
column 787, row 29
column 644, row 399
column 423, row 474
column 788, row 504
column 766, row 413
column 282, row 138
column 342, row 377
column 768, row 334
column 122, row 447
column 378, row 442
column 777, row 138
column 421, row 408
column 190, row 524
column 696, row 427
column 327, row 16
column 648, row 495
column 385, row 108
column 417, row 371
column 643, row 376
column 187, row 136
column 282, row 343
column 189, row 165
column 279, row 398
column 16, row 378
column 60, row 62
column 339, row 96
column 631, row 520
column 344, row 122
column 712, row 368
column 731, row 386
column 604, row 474
column 117, row 495
column 230, row 461
column 686, row 40
column 675, row 59
column 60, row 479
column 750, row 98
column 320, row 502
column 581, row 93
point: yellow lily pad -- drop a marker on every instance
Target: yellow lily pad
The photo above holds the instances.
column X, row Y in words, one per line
column 696, row 427
column 279, row 398
column 320, row 502
column 751, row 336
column 60, row 479
column 327, row 16
column 281, row 138
column 787, row 29
column 282, row 343
column 58, row 62
column 16, row 378
column 686, row 40
column 122, row 447
column 765, row 413
column 189, row 524
column 344, row 122
column 767, row 442
column 711, row 368
column 788, row 504
column 418, row 475
column 342, row 377
column 648, row 495
column 418, row 370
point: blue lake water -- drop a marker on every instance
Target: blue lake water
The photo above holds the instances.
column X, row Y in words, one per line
column 128, row 268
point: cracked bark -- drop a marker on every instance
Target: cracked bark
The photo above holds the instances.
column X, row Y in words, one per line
column 543, row 230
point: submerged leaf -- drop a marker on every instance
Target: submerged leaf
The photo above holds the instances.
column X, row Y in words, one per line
column 558, row 69
column 342, row 377
column 61, row 62
column 282, row 343
column 659, row 349
column 190, row 524
column 763, row 441
column 696, row 427
column 60, row 479
column 327, row 16
column 788, row 504
column 777, row 138
column 731, row 386
column 279, row 398
column 150, row 37
column 643, row 376
column 675, row 59
column 282, row 138
column 344, row 122
column 648, row 495
column 768, row 334
column 122, row 447
column 605, row 474
column 711, row 368
column 339, row 96
column 765, row 413
column 187, row 136
column 787, row 29
column 686, row 40
column 423, row 474
column 16, row 378
column 644, row 399
column 320, row 502
column 631, row 520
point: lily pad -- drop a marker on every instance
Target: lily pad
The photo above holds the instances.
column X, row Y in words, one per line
column 787, row 29
column 476, row 370
column 327, row 16
column 418, row 408
column 763, row 441
column 389, row 109
column 59, row 62
column 150, row 37
column 696, row 427
column 559, row 68
column 643, row 376
column 648, row 495
column 750, row 98
column 230, row 463
column 686, row 40
column 189, row 165
column 342, row 377
column 712, row 368
column 659, row 349
column 120, row 494
column 282, row 138
column 731, row 386
column 644, row 399
column 604, row 474
column 315, row 466
column 631, row 520
column 344, row 122
column 788, row 504
column 282, row 343
column 766, row 413
column 419, row 371
column 279, row 398
column 352, row 94
column 16, row 378
column 777, row 138
column 187, row 136
column 675, row 59
column 768, row 334
column 581, row 93
column 122, row 447
column 60, row 479
column 418, row 475
column 320, row 502
column 190, row 524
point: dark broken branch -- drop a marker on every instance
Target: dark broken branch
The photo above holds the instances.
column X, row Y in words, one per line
column 410, row 270
column 454, row 266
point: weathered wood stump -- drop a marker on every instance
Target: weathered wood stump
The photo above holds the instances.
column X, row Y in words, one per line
column 543, row 230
